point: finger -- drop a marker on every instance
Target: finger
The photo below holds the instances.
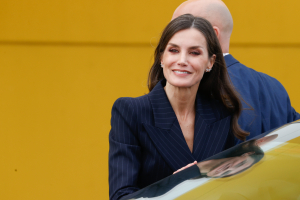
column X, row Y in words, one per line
column 182, row 168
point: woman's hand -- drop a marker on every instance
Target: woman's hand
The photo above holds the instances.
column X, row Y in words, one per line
column 191, row 164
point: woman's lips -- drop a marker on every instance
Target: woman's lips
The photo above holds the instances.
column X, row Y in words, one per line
column 181, row 73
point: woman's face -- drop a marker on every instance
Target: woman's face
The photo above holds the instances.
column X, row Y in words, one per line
column 185, row 58
column 232, row 165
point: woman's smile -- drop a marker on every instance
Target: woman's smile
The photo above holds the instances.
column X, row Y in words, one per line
column 181, row 73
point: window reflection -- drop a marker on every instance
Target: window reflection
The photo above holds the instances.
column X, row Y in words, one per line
column 227, row 163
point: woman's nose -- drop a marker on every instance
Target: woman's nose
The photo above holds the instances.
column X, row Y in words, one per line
column 182, row 61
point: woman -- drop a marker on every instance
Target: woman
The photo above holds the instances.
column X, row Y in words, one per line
column 190, row 113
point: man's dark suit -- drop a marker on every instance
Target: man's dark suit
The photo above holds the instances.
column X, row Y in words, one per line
column 266, row 95
column 146, row 142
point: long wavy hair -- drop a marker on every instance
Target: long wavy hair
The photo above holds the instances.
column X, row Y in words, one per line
column 216, row 84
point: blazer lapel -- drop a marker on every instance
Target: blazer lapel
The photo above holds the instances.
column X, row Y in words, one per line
column 212, row 125
column 171, row 147
column 166, row 134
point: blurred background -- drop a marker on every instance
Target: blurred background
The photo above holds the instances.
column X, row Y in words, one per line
column 63, row 64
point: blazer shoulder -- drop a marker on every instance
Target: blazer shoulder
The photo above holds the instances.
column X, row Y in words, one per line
column 242, row 68
column 123, row 102
column 130, row 102
column 270, row 80
column 135, row 107
column 239, row 68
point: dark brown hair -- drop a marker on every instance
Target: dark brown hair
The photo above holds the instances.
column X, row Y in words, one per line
column 215, row 84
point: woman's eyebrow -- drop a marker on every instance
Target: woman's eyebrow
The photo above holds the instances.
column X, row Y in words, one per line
column 174, row 45
column 192, row 47
column 195, row 47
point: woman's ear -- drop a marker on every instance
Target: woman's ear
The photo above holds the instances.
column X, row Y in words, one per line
column 248, row 154
column 211, row 63
column 212, row 60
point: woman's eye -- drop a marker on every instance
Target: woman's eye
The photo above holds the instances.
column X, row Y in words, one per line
column 225, row 173
column 173, row 50
column 195, row 52
column 241, row 164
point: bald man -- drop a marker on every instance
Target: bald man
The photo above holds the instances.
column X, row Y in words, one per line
column 268, row 98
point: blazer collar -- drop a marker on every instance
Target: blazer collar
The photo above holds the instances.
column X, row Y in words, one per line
column 230, row 60
column 164, row 115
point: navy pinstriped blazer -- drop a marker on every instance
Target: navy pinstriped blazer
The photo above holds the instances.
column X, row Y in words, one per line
column 146, row 142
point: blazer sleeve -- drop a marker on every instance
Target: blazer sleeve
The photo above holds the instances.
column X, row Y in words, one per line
column 165, row 185
column 124, row 150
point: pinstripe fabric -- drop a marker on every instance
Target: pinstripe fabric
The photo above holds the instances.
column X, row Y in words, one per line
column 146, row 142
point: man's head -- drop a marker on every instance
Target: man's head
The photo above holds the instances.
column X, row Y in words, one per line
column 216, row 12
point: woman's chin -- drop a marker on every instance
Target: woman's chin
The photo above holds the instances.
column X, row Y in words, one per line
column 183, row 84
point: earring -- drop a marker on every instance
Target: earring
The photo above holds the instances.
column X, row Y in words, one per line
column 162, row 65
column 208, row 70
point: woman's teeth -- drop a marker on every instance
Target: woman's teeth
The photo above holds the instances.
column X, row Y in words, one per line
column 179, row 72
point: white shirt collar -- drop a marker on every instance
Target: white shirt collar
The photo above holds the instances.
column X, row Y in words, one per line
column 225, row 54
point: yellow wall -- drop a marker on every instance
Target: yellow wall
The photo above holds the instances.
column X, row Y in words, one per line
column 63, row 63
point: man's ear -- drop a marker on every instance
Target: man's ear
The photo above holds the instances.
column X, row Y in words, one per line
column 217, row 31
